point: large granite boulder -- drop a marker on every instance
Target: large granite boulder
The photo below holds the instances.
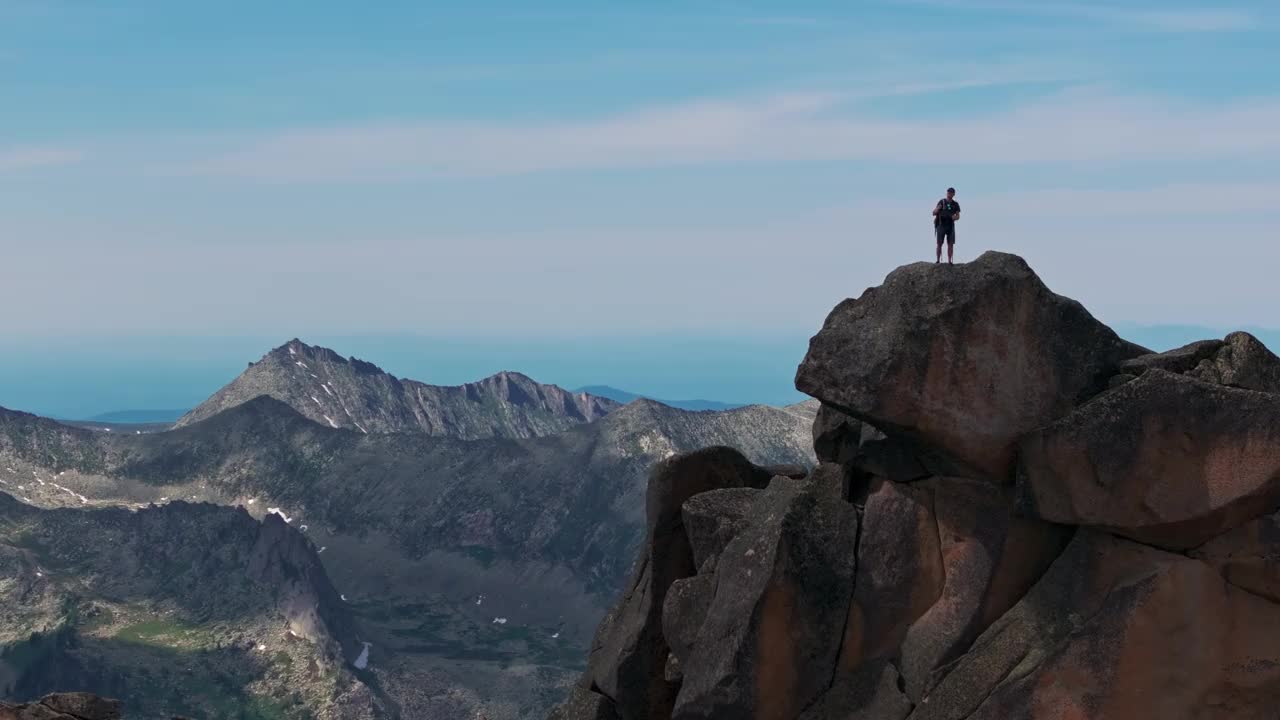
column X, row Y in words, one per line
column 964, row 357
column 1119, row 630
column 1015, row 514
column 770, row 641
column 1164, row 459
column 629, row 653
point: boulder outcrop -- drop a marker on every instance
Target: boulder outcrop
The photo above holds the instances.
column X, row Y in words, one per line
column 1165, row 459
column 964, row 358
column 629, row 654
column 1016, row 514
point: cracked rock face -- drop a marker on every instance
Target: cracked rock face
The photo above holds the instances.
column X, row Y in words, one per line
column 769, row 644
column 1118, row 630
column 1016, row 515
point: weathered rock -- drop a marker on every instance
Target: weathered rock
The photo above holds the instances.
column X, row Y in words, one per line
column 684, row 612
column 711, row 520
column 1179, row 360
column 899, row 574
column 769, row 645
column 870, row 692
column 964, row 358
column 629, row 653
column 1119, row 630
column 835, row 435
column 1239, row 360
column 64, row 706
column 990, row 558
column 1165, row 459
column 1243, row 362
column 1248, row 556
column 938, row 562
column 583, row 704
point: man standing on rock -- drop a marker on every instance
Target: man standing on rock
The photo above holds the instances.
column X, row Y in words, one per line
column 945, row 215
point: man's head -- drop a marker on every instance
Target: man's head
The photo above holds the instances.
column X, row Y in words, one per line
column 951, row 193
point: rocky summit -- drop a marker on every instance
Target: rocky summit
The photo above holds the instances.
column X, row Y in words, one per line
column 349, row 393
column 1016, row 514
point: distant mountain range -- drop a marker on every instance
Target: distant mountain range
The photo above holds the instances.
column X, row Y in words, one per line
column 625, row 397
column 349, row 393
column 475, row 548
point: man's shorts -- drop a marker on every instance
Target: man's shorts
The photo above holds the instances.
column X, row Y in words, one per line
column 946, row 233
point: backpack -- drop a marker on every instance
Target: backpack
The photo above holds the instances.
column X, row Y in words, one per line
column 945, row 203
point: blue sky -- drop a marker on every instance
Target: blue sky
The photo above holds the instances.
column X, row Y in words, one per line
column 500, row 169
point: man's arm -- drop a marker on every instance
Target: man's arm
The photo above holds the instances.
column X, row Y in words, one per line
column 956, row 216
column 937, row 208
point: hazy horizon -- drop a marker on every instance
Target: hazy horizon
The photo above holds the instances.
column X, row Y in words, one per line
column 80, row 377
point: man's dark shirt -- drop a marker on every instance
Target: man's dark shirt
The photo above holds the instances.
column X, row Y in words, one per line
column 946, row 209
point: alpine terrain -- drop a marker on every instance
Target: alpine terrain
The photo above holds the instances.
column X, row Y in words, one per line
column 185, row 608
column 474, row 569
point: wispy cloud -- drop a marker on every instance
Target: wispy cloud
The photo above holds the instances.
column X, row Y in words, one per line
column 26, row 158
column 1180, row 20
column 1069, row 128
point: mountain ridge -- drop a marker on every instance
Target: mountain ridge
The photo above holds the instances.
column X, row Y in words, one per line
column 432, row 540
column 356, row 394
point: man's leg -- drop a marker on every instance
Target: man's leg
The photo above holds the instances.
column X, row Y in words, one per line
column 951, row 245
column 938, row 257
